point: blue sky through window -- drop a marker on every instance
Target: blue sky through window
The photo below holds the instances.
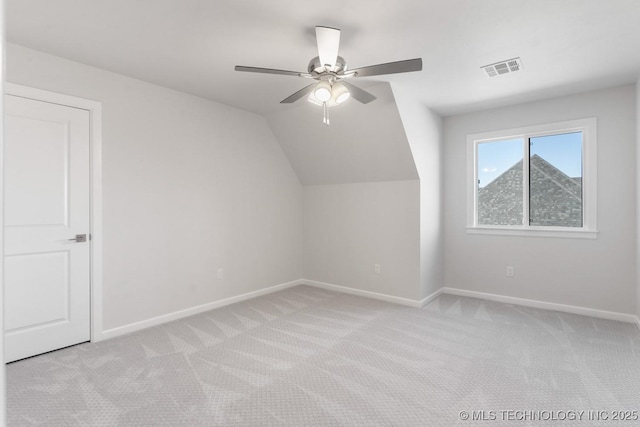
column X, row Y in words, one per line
column 564, row 151
column 496, row 157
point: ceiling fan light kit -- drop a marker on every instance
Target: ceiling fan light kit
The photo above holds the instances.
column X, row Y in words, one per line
column 322, row 92
column 336, row 95
column 340, row 93
column 329, row 69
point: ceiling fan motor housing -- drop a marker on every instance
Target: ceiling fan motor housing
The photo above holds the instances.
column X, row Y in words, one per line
column 315, row 68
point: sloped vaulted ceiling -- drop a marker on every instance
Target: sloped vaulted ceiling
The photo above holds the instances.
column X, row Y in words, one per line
column 192, row 46
column 364, row 143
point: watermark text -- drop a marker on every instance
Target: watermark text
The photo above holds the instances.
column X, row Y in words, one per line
column 549, row 415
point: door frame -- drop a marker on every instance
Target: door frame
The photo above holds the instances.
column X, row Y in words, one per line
column 95, row 149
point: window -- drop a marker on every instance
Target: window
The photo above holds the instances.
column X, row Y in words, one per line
column 539, row 180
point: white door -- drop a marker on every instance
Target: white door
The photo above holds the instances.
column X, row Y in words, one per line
column 47, row 201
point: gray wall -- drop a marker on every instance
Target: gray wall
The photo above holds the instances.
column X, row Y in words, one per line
column 597, row 274
column 424, row 135
column 189, row 186
column 350, row 227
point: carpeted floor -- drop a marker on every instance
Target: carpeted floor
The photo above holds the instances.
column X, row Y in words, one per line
column 310, row 357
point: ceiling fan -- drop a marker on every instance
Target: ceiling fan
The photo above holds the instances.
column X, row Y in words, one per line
column 331, row 73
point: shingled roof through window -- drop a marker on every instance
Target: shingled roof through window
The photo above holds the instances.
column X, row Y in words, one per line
column 555, row 199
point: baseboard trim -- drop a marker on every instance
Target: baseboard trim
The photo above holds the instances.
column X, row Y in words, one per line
column 431, row 297
column 601, row 314
column 154, row 321
column 368, row 294
column 137, row 326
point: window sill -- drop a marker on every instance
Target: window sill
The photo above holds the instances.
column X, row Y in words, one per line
column 535, row 232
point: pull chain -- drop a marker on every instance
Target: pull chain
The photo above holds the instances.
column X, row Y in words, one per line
column 325, row 119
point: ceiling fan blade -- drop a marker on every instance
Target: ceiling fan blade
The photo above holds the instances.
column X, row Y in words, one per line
column 359, row 94
column 270, row 71
column 299, row 94
column 388, row 68
column 328, row 40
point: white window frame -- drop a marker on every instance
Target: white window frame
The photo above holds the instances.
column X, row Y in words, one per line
column 589, row 229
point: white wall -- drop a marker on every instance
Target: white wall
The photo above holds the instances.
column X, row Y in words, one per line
column 424, row 135
column 350, row 227
column 3, row 399
column 190, row 186
column 364, row 143
column 362, row 202
column 361, row 194
column 638, row 200
column 597, row 274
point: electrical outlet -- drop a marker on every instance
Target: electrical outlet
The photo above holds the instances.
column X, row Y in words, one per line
column 376, row 268
column 220, row 273
column 510, row 271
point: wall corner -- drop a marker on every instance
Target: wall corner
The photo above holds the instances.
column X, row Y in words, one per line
column 424, row 132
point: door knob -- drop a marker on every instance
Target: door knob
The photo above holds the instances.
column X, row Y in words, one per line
column 79, row 238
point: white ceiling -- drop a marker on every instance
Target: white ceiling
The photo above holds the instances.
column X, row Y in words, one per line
column 363, row 144
column 192, row 45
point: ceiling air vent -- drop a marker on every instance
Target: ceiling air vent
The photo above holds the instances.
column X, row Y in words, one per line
column 503, row 67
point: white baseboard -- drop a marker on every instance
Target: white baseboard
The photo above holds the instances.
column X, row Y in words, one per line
column 611, row 315
column 431, row 297
column 369, row 294
column 133, row 327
